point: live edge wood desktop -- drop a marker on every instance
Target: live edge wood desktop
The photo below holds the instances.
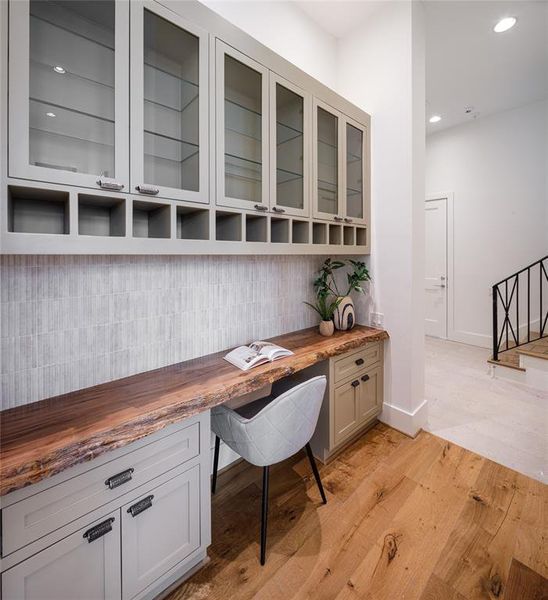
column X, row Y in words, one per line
column 78, row 466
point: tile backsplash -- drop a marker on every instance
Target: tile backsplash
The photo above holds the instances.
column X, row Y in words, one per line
column 69, row 322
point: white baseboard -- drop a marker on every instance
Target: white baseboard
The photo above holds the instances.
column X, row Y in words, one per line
column 473, row 339
column 407, row 422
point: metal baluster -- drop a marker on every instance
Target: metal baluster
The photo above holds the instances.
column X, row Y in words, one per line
column 495, row 324
column 517, row 309
column 506, row 310
column 529, row 304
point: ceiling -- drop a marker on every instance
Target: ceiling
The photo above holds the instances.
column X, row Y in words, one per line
column 467, row 63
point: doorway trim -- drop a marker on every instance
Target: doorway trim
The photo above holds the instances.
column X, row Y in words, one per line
column 449, row 198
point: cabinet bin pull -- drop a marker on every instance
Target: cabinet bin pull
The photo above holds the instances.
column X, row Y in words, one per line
column 365, row 377
column 150, row 190
column 338, row 219
column 359, row 361
column 140, row 506
column 278, row 209
column 355, row 383
column 94, row 533
column 261, row 207
column 107, row 183
column 119, row 478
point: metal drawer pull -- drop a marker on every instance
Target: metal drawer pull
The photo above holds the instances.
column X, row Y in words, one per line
column 278, row 209
column 140, row 506
column 360, row 361
column 99, row 530
column 338, row 219
column 147, row 189
column 365, row 377
column 261, row 207
column 119, row 478
column 355, row 383
column 107, row 183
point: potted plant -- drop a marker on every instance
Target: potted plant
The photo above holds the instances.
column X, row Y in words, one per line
column 325, row 285
column 326, row 296
column 325, row 307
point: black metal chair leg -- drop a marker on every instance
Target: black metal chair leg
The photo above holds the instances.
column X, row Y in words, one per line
column 215, row 464
column 264, row 514
column 316, row 472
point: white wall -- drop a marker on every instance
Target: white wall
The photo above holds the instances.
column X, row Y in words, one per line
column 381, row 69
column 497, row 169
column 287, row 30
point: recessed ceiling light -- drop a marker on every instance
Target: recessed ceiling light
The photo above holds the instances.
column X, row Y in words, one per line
column 59, row 69
column 50, row 114
column 435, row 119
column 505, row 24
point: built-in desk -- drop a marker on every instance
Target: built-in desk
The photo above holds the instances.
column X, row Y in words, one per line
column 118, row 475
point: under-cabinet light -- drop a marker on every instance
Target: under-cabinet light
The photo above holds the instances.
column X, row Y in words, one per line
column 505, row 24
column 435, row 119
column 59, row 69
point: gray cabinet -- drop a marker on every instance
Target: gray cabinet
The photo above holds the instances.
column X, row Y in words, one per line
column 84, row 566
column 370, row 394
column 242, row 129
column 159, row 530
column 69, row 92
column 169, row 105
column 345, row 411
column 290, row 161
column 125, row 525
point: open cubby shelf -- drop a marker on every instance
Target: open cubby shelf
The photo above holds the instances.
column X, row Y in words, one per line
column 256, row 228
column 100, row 215
column 361, row 236
column 192, row 223
column 279, row 230
column 33, row 210
column 151, row 220
column 335, row 235
column 300, row 232
column 319, row 233
column 349, row 236
column 228, row 226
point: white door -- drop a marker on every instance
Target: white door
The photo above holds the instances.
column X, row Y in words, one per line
column 435, row 282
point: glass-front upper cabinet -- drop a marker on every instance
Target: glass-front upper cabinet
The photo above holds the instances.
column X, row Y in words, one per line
column 290, row 119
column 69, row 92
column 169, row 105
column 328, row 188
column 356, row 172
column 241, row 130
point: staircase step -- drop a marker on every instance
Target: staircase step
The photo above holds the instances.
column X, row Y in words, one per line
column 537, row 348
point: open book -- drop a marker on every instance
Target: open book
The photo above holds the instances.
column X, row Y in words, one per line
column 257, row 353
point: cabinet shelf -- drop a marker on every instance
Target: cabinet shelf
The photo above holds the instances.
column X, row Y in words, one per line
column 319, row 233
column 279, row 230
column 192, row 223
column 151, row 220
column 256, row 228
column 300, row 232
column 101, row 216
column 48, row 68
column 33, row 210
column 228, row 226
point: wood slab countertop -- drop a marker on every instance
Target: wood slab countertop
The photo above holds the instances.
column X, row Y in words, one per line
column 46, row 437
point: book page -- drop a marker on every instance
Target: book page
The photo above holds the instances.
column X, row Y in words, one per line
column 270, row 350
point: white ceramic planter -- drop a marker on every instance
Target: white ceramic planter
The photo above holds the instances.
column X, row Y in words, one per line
column 345, row 317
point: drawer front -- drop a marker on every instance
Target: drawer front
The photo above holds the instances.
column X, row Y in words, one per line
column 38, row 515
column 159, row 530
column 79, row 566
column 351, row 366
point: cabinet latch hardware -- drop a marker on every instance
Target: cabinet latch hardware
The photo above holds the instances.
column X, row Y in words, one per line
column 347, row 220
column 359, row 361
column 278, row 209
column 261, row 207
column 338, row 219
column 149, row 190
column 107, row 183
column 119, row 478
column 365, row 377
column 140, row 506
column 355, row 383
column 94, row 533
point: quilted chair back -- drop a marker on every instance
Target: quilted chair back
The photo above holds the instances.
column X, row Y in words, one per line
column 279, row 430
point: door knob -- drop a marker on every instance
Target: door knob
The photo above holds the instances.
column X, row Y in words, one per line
column 442, row 277
column 442, row 285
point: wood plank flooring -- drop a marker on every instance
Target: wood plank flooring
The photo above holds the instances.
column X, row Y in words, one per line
column 416, row 519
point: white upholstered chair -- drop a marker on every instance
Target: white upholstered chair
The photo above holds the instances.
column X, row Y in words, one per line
column 270, row 430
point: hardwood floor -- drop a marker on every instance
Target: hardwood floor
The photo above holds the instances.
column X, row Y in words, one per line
column 405, row 518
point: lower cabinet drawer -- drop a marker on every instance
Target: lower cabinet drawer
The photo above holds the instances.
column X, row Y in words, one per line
column 159, row 530
column 42, row 513
column 350, row 366
column 83, row 566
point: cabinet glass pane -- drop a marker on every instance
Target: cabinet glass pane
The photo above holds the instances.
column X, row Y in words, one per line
column 243, row 131
column 328, row 162
column 171, row 107
column 71, row 86
column 289, row 148
column 354, row 172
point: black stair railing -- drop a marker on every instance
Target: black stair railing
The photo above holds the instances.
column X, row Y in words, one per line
column 533, row 296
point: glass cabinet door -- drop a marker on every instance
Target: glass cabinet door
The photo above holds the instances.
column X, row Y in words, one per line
column 169, row 105
column 69, row 92
column 289, row 149
column 327, row 163
column 355, row 173
column 242, row 130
